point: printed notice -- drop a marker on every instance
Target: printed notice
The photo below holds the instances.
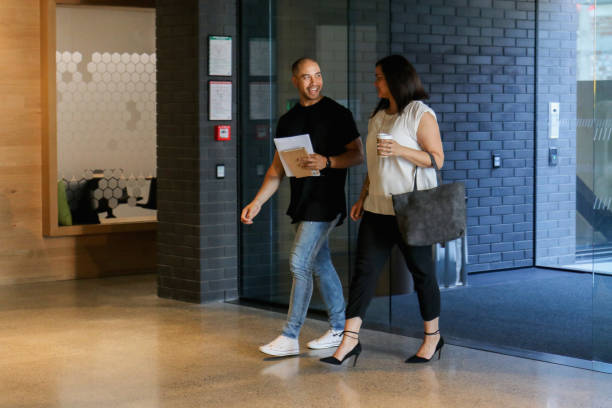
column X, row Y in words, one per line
column 220, row 100
column 220, row 56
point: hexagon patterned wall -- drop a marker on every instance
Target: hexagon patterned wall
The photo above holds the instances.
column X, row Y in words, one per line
column 106, row 127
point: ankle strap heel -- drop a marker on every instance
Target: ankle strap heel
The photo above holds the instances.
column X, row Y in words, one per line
column 355, row 351
column 439, row 345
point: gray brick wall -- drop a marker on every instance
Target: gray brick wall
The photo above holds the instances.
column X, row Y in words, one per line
column 556, row 186
column 477, row 58
column 197, row 231
column 218, row 197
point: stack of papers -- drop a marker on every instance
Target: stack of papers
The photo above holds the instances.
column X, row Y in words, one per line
column 291, row 150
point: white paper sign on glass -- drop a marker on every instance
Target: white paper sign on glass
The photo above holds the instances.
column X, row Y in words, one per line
column 220, row 100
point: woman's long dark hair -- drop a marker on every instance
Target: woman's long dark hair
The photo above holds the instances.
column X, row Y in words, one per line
column 403, row 82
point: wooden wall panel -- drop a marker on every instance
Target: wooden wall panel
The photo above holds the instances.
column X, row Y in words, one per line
column 25, row 255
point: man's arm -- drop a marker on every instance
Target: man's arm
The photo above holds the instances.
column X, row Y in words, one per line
column 351, row 157
column 271, row 182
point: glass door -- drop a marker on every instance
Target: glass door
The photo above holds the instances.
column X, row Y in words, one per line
column 600, row 16
column 346, row 38
column 274, row 34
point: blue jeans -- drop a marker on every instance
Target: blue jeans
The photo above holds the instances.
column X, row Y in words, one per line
column 310, row 256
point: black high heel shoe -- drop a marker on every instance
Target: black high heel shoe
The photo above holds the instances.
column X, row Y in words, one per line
column 354, row 352
column 417, row 359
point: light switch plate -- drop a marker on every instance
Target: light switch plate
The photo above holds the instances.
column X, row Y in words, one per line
column 220, row 171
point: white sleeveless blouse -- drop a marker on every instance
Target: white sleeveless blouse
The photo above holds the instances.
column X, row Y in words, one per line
column 395, row 175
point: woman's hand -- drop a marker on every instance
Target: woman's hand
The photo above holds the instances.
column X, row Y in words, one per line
column 388, row 147
column 357, row 210
column 249, row 212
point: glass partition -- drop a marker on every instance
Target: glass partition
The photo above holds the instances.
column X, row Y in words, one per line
column 542, row 313
column 575, row 231
column 556, row 310
column 573, row 183
column 106, row 114
column 346, row 39
column 600, row 19
column 274, row 35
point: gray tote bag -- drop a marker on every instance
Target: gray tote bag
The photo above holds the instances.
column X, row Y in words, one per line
column 436, row 215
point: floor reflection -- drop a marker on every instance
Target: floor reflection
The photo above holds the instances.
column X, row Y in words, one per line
column 113, row 343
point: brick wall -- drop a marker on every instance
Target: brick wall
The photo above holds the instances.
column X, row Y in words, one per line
column 218, row 198
column 476, row 58
column 556, row 186
column 197, row 232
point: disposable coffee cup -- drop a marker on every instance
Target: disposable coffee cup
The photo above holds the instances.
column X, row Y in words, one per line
column 383, row 136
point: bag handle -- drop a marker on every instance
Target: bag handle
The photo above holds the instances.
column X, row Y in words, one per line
column 434, row 165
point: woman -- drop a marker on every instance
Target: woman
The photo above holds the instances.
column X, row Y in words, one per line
column 392, row 165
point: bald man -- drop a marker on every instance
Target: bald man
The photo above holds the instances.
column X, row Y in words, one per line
column 317, row 205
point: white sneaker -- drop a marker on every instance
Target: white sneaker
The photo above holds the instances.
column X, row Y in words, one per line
column 331, row 338
column 281, row 346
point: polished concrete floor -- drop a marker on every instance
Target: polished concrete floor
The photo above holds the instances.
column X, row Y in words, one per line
column 113, row 343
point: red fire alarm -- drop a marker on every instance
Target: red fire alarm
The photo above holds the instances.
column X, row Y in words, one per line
column 223, row 133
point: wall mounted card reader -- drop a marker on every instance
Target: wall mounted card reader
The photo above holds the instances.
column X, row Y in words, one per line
column 496, row 161
column 553, row 120
column 553, row 157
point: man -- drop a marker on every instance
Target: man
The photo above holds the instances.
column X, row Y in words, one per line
column 317, row 204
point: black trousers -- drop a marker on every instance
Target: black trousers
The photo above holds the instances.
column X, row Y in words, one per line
column 377, row 236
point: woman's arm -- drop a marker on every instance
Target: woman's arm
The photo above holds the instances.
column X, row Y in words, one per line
column 428, row 137
column 357, row 208
column 365, row 188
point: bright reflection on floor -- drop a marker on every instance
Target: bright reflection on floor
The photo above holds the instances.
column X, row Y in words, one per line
column 113, row 343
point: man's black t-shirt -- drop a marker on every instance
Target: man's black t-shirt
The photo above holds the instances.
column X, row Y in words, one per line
column 331, row 127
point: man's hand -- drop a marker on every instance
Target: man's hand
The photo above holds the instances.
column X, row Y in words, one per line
column 313, row 162
column 249, row 212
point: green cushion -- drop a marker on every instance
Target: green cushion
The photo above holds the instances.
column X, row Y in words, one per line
column 63, row 209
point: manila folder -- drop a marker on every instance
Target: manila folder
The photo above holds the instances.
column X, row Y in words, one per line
column 291, row 158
